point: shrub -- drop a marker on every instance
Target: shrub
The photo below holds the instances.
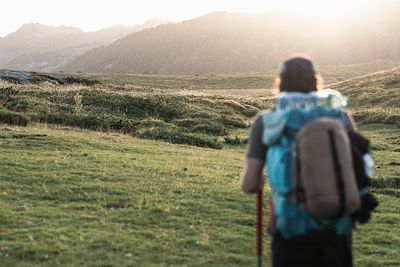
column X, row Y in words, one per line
column 177, row 137
column 386, row 183
column 13, row 118
column 210, row 128
column 187, row 123
column 207, row 126
column 101, row 123
column 393, row 119
column 250, row 112
column 377, row 117
column 235, row 140
column 79, row 80
column 139, row 106
column 236, row 122
column 155, row 123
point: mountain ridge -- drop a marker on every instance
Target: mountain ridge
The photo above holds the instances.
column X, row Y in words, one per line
column 223, row 42
column 39, row 47
column 215, row 43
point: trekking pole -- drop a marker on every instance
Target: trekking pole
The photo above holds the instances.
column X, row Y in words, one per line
column 259, row 226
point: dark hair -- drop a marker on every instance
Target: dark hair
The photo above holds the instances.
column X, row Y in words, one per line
column 298, row 75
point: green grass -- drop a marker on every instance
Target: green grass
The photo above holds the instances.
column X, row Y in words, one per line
column 75, row 197
column 385, row 142
column 175, row 205
column 70, row 196
column 377, row 243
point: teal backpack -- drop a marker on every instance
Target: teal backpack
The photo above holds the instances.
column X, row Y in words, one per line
column 293, row 111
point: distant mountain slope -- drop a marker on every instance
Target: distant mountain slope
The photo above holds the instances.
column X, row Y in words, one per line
column 236, row 43
column 45, row 48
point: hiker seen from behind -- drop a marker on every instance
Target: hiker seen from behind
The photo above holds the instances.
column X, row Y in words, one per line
column 318, row 168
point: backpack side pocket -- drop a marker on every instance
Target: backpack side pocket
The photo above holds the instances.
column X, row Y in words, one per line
column 279, row 167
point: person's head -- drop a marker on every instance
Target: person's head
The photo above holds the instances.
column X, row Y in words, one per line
column 298, row 75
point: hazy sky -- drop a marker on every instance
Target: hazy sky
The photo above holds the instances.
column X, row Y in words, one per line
column 91, row 15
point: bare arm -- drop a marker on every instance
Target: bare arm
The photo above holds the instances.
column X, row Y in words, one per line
column 252, row 179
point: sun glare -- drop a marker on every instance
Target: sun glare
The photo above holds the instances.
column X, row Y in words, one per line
column 326, row 11
column 108, row 13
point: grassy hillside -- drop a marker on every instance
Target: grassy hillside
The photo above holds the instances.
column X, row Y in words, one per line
column 201, row 111
column 143, row 112
column 75, row 197
column 70, row 196
column 79, row 197
column 209, row 109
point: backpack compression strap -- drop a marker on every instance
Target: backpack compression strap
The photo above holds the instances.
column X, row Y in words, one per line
column 338, row 174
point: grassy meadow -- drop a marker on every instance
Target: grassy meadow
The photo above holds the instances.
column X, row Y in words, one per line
column 142, row 170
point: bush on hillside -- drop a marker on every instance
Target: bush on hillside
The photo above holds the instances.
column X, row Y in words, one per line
column 386, row 183
column 235, row 140
column 159, row 106
column 209, row 128
column 13, row 118
column 177, row 137
column 368, row 116
column 233, row 121
column 250, row 112
column 393, row 119
column 201, row 125
column 173, row 118
column 99, row 123
column 79, row 80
